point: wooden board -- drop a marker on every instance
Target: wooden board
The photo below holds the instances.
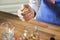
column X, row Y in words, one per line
column 46, row 30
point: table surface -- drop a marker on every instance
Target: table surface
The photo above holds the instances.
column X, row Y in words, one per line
column 46, row 30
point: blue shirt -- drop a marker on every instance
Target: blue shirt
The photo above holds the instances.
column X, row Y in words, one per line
column 49, row 12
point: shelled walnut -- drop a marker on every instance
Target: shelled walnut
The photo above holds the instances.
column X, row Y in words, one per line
column 25, row 10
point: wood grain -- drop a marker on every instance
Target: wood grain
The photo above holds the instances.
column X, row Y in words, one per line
column 46, row 30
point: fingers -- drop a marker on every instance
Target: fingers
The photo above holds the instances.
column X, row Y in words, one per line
column 25, row 17
column 20, row 16
column 28, row 17
column 26, row 13
column 26, row 9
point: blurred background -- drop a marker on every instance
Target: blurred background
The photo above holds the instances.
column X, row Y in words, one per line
column 11, row 6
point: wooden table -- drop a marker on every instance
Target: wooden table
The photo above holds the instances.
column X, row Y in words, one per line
column 46, row 30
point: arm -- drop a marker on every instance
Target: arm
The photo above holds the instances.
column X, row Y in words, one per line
column 33, row 7
column 34, row 4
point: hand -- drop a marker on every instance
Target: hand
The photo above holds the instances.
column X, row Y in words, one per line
column 51, row 1
column 26, row 13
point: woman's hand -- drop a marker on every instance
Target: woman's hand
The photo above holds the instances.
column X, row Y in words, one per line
column 26, row 13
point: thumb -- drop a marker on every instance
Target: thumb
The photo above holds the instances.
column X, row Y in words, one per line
column 20, row 16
